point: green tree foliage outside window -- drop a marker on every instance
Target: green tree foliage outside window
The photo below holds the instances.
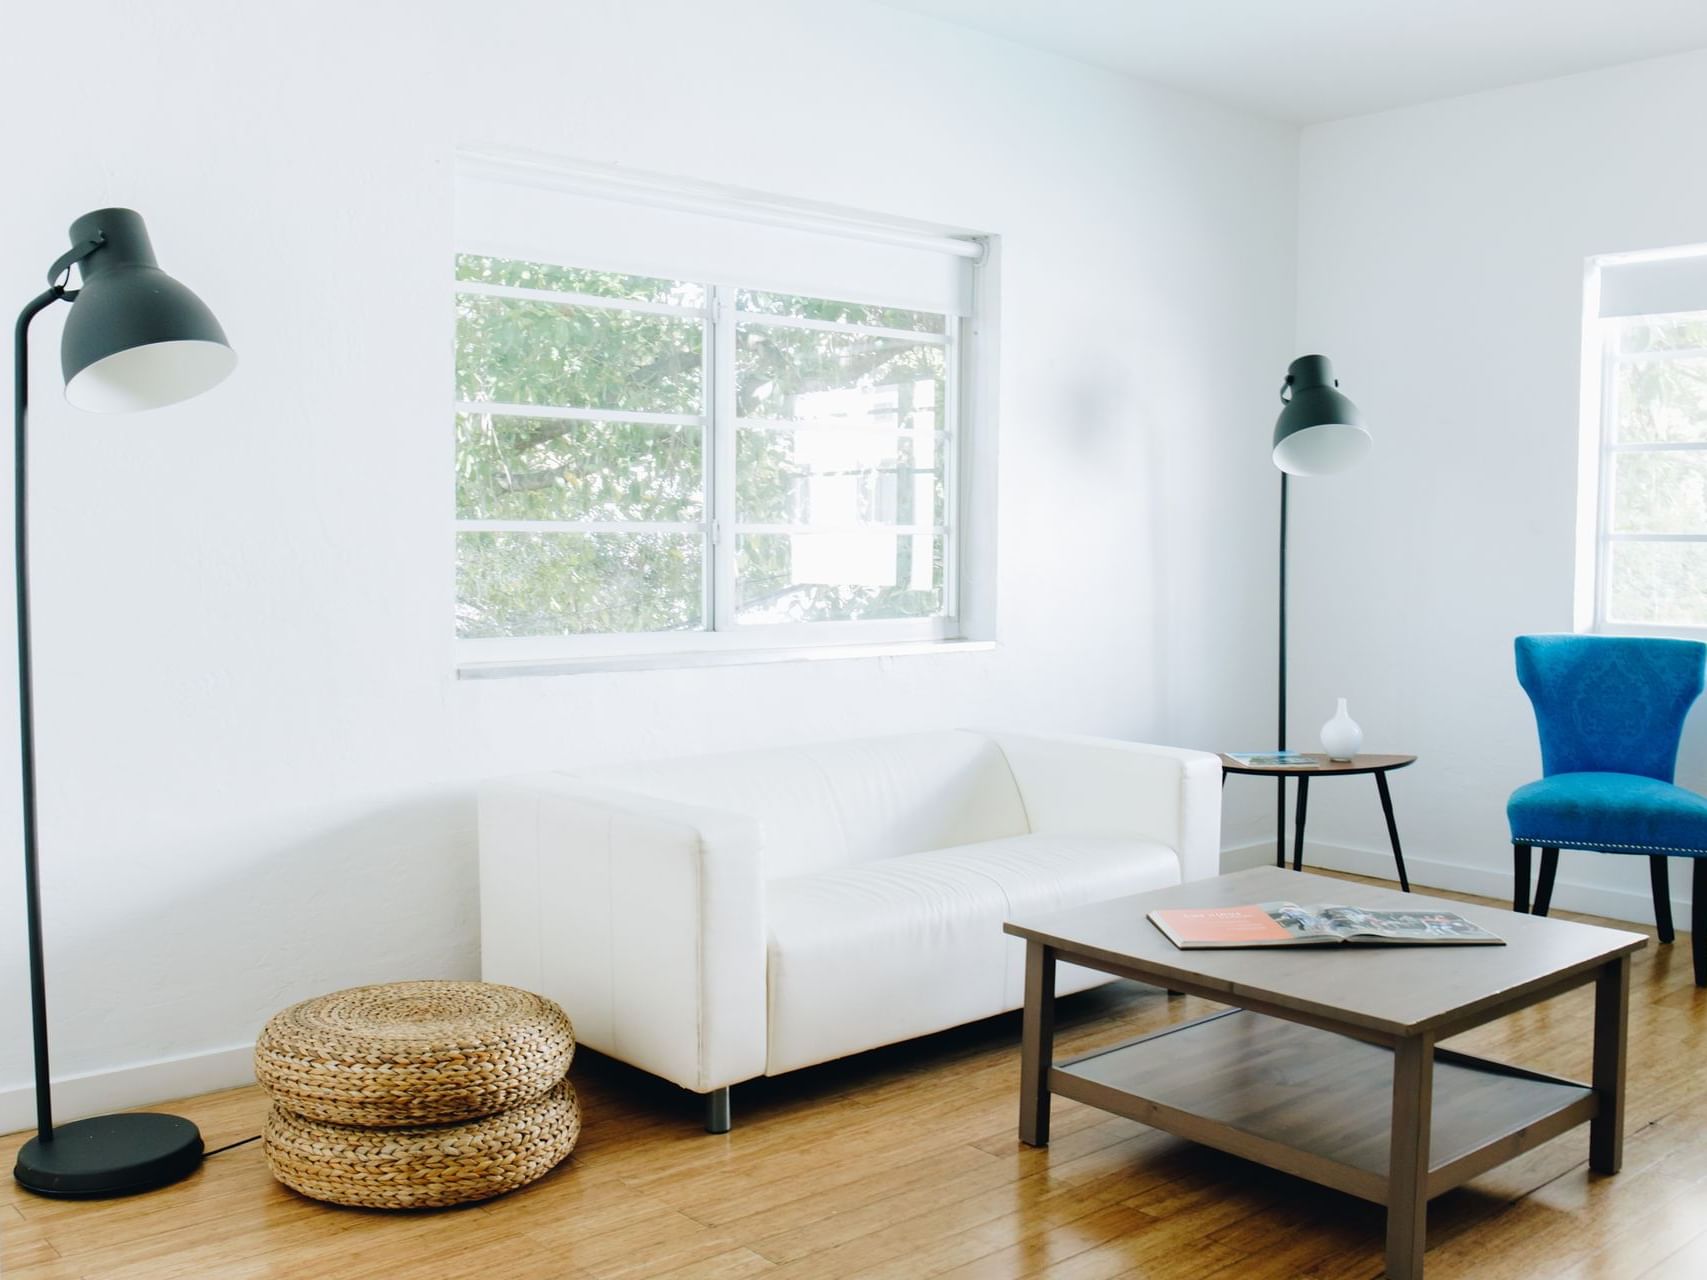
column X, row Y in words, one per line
column 840, row 436
column 1657, row 479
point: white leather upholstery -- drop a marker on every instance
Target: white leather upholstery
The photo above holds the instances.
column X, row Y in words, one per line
column 729, row 916
column 1094, row 786
column 887, row 950
column 828, row 804
column 642, row 917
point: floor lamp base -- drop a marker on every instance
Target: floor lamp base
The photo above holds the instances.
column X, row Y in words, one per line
column 110, row 1156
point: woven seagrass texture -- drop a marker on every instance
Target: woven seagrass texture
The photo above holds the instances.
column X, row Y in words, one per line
column 425, row 1166
column 411, row 1053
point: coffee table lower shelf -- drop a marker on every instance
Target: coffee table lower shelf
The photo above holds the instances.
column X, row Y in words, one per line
column 1316, row 1104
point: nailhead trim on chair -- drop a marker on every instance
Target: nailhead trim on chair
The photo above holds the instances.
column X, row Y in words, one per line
column 1547, row 842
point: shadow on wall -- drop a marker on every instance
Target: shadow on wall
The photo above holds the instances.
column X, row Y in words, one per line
column 389, row 895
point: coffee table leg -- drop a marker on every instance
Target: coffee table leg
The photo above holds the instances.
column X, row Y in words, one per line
column 1611, row 1029
column 1037, row 1044
column 1407, row 1174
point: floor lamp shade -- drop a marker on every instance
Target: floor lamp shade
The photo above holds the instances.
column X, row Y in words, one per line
column 135, row 337
column 1319, row 431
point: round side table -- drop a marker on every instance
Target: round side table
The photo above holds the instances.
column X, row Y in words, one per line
column 1380, row 766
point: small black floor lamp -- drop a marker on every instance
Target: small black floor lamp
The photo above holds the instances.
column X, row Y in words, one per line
column 1318, row 433
column 134, row 339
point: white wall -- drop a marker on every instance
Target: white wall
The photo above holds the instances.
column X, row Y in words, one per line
column 256, row 763
column 1440, row 265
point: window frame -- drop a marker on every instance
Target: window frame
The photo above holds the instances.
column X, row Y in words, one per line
column 1606, row 337
column 967, row 614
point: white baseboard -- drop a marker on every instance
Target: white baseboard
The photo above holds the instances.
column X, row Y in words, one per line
column 1617, row 904
column 140, row 1085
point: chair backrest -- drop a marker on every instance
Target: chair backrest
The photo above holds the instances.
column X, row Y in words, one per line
column 833, row 803
column 1610, row 704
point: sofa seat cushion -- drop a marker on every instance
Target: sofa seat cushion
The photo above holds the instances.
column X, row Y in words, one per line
column 899, row 947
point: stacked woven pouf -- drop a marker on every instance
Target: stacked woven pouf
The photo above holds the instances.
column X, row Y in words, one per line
column 417, row 1094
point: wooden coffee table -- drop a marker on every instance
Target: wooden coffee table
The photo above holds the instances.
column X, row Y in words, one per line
column 1326, row 1066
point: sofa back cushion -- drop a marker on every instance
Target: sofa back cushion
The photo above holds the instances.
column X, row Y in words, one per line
column 830, row 804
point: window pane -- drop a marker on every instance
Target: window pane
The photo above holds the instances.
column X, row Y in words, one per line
column 817, row 476
column 837, row 577
column 1659, row 492
column 816, row 376
column 548, row 469
column 1661, row 400
column 561, row 584
column 523, row 352
column 1658, row 582
column 599, row 284
column 783, row 304
column 1663, row 333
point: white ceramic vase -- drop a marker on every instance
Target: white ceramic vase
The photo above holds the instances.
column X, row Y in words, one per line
column 1341, row 737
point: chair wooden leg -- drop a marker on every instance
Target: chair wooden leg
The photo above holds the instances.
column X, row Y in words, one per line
column 1698, row 922
column 1659, row 873
column 1520, row 877
column 1544, row 888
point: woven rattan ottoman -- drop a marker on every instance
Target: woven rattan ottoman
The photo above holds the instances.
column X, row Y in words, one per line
column 417, row 1094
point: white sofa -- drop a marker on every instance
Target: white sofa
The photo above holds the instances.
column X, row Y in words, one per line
column 718, row 918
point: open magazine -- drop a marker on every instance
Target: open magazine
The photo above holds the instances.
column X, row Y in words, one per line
column 1286, row 924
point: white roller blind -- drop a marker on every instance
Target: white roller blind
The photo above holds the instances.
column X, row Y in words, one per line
column 648, row 226
column 1654, row 287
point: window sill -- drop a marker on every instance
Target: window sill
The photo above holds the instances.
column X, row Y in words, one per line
column 531, row 668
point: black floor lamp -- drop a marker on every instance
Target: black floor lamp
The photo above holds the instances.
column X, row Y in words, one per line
column 1318, row 433
column 135, row 339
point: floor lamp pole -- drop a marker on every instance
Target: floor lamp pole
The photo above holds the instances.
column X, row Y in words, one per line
column 26, row 699
column 1280, row 736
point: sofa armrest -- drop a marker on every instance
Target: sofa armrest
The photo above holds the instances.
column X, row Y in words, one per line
column 643, row 918
column 1102, row 786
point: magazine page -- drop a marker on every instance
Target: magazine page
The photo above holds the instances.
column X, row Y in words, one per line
column 1302, row 922
column 1408, row 926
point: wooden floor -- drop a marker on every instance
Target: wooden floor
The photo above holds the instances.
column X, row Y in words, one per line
column 903, row 1163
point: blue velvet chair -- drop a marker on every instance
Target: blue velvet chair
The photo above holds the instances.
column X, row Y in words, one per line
column 1610, row 711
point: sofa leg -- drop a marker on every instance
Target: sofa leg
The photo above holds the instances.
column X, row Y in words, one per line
column 717, row 1110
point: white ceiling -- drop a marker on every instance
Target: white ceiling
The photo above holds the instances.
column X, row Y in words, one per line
column 1311, row 60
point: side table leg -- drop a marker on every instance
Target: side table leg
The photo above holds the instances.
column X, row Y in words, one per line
column 1407, row 1174
column 1392, row 831
column 1298, row 831
column 1280, row 822
column 1037, row 1044
column 1611, row 1030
